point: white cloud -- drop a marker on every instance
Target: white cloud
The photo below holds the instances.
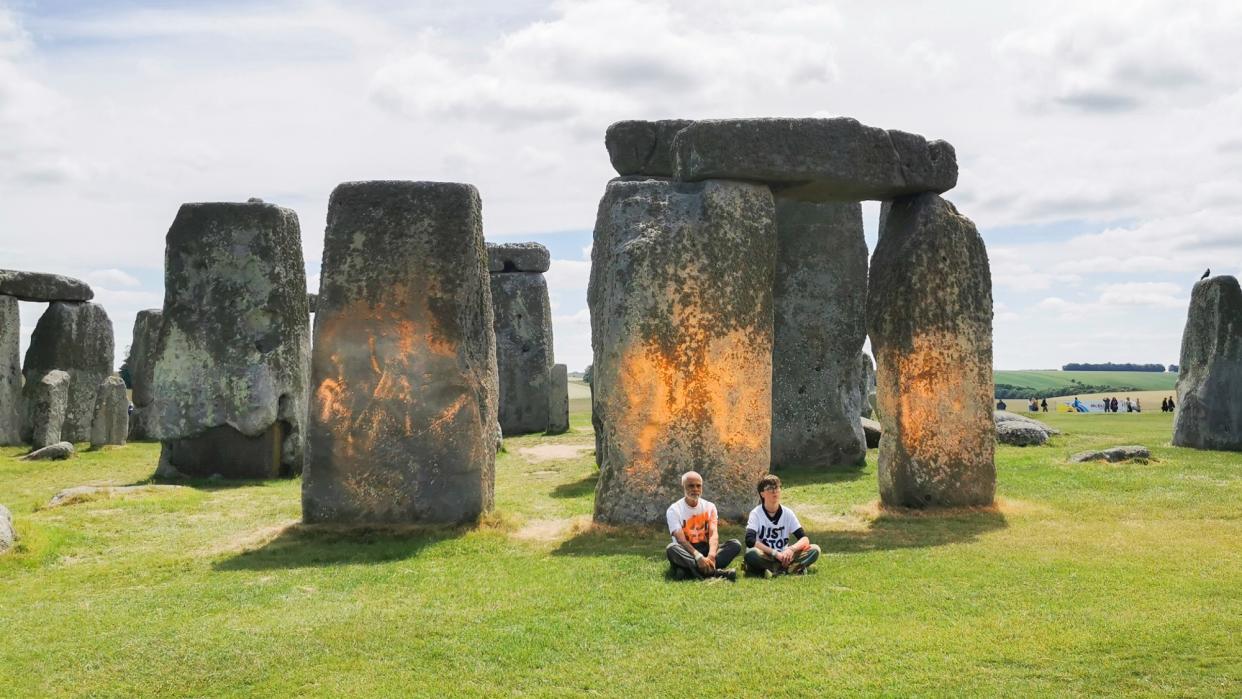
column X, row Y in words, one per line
column 112, row 277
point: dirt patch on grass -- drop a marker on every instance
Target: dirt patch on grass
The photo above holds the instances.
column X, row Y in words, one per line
column 87, row 493
column 550, row 531
column 1003, row 506
column 554, row 452
column 251, row 540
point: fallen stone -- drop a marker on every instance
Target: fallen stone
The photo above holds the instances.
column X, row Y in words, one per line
column 85, row 493
column 1209, row 381
column 1113, row 454
column 10, row 372
column 873, row 431
column 1020, row 434
column 8, row 536
column 819, row 303
column 681, row 322
column 75, row 338
column 232, row 357
column 52, row 452
column 815, row 159
column 142, row 371
column 111, row 423
column 39, row 287
column 518, row 257
column 558, row 400
column 522, row 321
column 638, row 147
column 929, row 313
column 403, row 413
column 1000, row 416
column 47, row 398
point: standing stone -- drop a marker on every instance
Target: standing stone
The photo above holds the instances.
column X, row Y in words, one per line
column 518, row 257
column 10, row 372
column 111, row 423
column 7, row 535
column 866, row 384
column 522, row 320
column 403, row 411
column 142, row 370
column 558, row 400
column 643, row 147
column 229, row 384
column 41, row 288
column 47, row 399
column 75, row 338
column 681, row 324
column 819, row 300
column 1209, row 382
column 815, row 159
column 929, row 311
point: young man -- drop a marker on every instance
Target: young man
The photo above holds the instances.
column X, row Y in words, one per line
column 695, row 550
column 769, row 532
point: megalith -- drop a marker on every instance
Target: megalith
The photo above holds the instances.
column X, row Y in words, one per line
column 638, row 147
column 142, row 370
column 74, row 337
column 231, row 358
column 1209, row 381
column 819, row 303
column 47, row 400
column 929, row 316
column 522, row 319
column 10, row 372
column 681, row 321
column 403, row 424
column 111, row 421
column 866, row 384
column 43, row 288
column 558, row 400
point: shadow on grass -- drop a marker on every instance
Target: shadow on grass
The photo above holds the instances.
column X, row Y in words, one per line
column 306, row 546
column 811, row 475
column 889, row 530
column 577, row 489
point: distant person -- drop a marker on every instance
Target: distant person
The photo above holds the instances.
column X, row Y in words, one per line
column 1044, row 404
column 1164, row 405
column 1138, row 405
column 1129, row 405
column 1032, row 407
column 1114, row 404
column 775, row 540
column 695, row 551
column 1171, row 406
column 1000, row 404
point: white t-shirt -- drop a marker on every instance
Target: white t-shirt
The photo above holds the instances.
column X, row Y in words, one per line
column 775, row 535
column 692, row 521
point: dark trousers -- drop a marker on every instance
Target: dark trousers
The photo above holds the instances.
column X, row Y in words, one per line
column 681, row 558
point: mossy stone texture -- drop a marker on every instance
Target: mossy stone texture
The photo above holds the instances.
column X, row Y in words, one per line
column 40, row 287
column 522, row 319
column 75, row 338
column 110, row 425
column 142, row 370
column 47, row 399
column 1209, row 382
column 10, row 372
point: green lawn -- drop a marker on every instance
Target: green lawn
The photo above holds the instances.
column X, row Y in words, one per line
column 1040, row 380
column 1087, row 580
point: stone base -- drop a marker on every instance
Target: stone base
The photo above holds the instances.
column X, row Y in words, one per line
column 225, row 452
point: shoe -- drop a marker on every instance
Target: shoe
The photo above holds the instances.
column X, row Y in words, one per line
column 728, row 574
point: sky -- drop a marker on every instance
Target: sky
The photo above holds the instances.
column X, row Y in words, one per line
column 1098, row 143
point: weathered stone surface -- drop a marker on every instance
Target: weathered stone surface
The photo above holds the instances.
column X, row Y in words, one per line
column 10, row 372
column 873, row 431
column 558, row 400
column 638, row 147
column 224, row 452
column 403, row 413
column 46, row 400
column 1000, row 416
column 233, row 346
column 681, row 321
column 40, row 287
column 815, row 159
column 929, row 312
column 111, row 422
column 1209, row 382
column 1112, row 454
column 866, row 384
column 518, row 257
column 75, row 338
column 523, row 326
column 8, row 536
column 1020, row 434
column 52, row 452
column 819, row 304
column 86, row 493
column 142, row 371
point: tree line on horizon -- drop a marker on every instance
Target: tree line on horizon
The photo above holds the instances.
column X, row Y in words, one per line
column 1111, row 366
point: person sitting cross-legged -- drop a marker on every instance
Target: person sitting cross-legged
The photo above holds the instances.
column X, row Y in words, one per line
column 770, row 530
column 695, row 550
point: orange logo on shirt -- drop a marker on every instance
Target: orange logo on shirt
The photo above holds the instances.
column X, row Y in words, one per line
column 695, row 528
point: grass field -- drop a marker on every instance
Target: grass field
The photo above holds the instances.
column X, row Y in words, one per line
column 1087, row 580
column 1041, row 380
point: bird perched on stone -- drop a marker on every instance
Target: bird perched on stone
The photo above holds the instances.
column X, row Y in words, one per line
column 1206, row 272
